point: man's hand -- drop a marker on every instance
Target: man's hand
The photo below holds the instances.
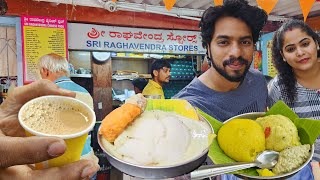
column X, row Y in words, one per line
column 83, row 169
column 9, row 124
column 15, row 150
column 29, row 150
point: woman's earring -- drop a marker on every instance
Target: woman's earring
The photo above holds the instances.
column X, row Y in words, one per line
column 284, row 60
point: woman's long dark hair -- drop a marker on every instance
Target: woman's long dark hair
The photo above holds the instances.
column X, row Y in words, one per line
column 286, row 74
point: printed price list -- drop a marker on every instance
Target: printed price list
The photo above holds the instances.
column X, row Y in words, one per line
column 39, row 41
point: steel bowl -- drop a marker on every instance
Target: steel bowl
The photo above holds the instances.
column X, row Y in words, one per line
column 157, row 172
column 254, row 116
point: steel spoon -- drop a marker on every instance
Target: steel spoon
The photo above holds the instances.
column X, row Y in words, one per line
column 267, row 159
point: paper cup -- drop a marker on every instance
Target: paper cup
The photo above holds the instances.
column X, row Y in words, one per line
column 75, row 142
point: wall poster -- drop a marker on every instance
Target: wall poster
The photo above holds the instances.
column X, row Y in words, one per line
column 40, row 36
column 271, row 69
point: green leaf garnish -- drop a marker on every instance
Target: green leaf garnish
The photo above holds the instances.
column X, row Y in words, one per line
column 308, row 129
column 281, row 108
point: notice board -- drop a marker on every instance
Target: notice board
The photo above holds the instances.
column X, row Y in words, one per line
column 40, row 36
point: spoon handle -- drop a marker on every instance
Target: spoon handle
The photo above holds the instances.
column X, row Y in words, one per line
column 218, row 169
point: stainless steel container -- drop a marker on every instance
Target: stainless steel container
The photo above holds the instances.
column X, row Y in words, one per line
column 254, row 116
column 157, row 172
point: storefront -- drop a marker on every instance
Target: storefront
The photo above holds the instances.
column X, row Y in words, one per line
column 127, row 53
column 105, row 58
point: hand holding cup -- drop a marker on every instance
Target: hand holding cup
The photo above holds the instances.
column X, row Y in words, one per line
column 17, row 150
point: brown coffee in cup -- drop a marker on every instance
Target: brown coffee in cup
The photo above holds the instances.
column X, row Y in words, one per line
column 62, row 117
column 56, row 117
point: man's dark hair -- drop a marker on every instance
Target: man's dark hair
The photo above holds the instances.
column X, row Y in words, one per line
column 140, row 83
column 159, row 64
column 286, row 75
column 253, row 16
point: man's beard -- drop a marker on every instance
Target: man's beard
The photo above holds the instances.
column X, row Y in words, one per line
column 236, row 78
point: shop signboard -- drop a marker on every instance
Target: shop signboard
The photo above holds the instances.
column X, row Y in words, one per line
column 40, row 36
column 137, row 40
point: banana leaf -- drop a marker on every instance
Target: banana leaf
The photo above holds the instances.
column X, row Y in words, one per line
column 215, row 152
column 308, row 129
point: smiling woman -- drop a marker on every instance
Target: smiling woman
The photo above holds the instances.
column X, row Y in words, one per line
column 296, row 56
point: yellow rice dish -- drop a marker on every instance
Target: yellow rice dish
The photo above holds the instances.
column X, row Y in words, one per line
column 280, row 132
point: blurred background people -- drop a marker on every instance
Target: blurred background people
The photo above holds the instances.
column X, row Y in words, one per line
column 160, row 73
column 139, row 84
column 296, row 56
column 55, row 68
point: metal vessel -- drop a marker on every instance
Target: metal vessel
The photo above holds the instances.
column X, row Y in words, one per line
column 157, row 172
